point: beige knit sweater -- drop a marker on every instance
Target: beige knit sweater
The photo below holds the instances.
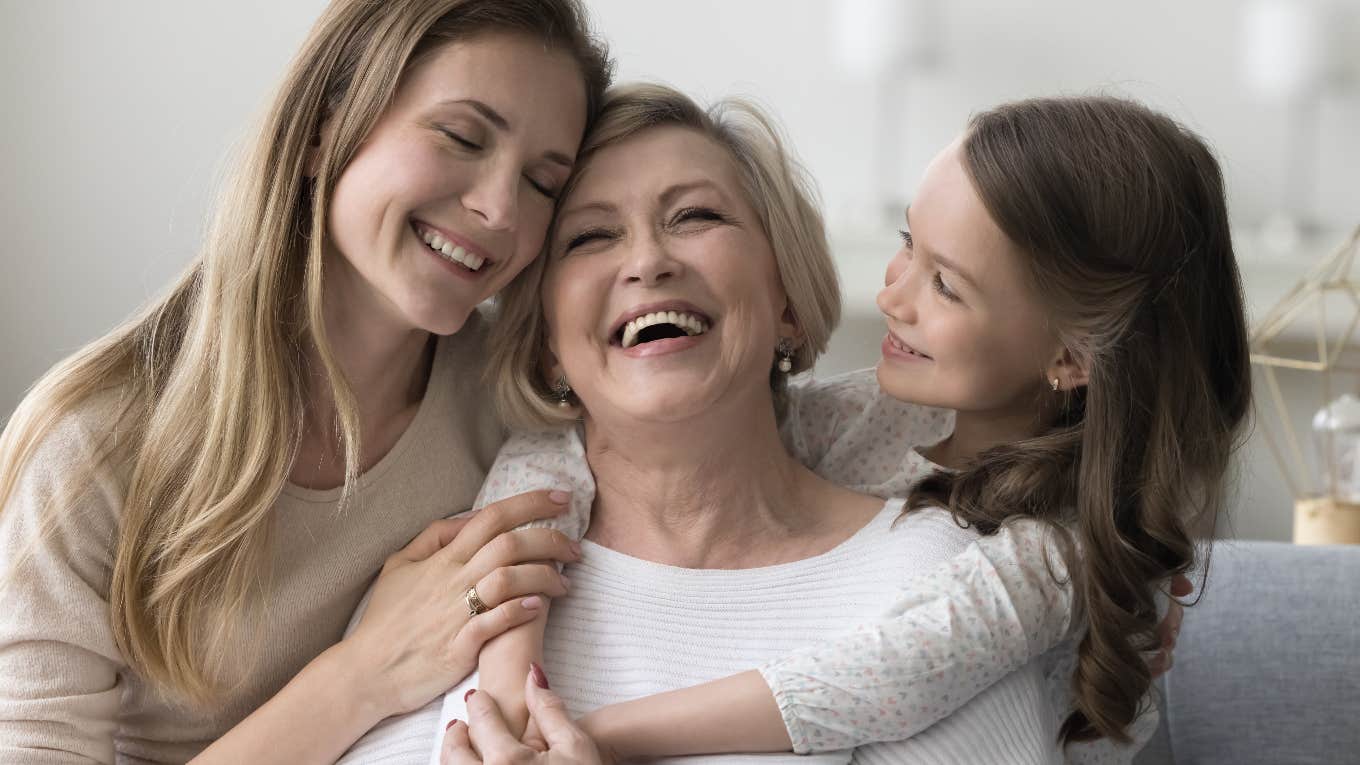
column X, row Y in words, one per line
column 66, row 695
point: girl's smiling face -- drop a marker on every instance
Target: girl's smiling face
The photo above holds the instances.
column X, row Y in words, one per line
column 966, row 331
column 450, row 194
column 657, row 225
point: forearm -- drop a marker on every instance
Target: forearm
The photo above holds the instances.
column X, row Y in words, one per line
column 503, row 663
column 313, row 719
column 734, row 714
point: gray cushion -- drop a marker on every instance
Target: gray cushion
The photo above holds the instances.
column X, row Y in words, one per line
column 1267, row 665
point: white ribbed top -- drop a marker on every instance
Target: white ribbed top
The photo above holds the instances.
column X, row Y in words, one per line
column 632, row 628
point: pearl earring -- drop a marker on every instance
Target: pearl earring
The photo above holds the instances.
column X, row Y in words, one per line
column 1055, row 385
column 785, row 351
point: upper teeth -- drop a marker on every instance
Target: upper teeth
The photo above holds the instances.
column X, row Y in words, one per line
column 457, row 254
column 691, row 324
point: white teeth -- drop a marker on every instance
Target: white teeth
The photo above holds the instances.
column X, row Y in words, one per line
column 691, row 324
column 451, row 252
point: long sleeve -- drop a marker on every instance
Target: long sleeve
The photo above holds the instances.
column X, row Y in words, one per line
column 547, row 459
column 59, row 667
column 982, row 615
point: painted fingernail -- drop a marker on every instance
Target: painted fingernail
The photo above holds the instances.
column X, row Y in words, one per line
column 532, row 603
column 452, row 723
column 559, row 496
column 540, row 679
column 468, row 695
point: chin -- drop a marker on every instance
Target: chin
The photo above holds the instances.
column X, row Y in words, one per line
column 443, row 322
column 901, row 385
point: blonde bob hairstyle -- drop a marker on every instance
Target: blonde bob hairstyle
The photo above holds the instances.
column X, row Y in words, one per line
column 210, row 379
column 775, row 184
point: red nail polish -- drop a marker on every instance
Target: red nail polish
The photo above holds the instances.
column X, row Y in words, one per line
column 452, row 723
column 468, row 695
column 540, row 679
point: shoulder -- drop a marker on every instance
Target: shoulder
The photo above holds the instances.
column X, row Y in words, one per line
column 936, row 526
column 63, row 510
column 854, row 399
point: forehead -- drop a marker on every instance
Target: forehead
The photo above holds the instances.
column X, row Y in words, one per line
column 532, row 85
column 948, row 217
column 653, row 160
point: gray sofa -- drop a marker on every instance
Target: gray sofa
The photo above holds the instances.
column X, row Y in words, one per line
column 1267, row 666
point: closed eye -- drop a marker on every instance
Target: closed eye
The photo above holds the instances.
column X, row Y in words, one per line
column 546, row 191
column 698, row 214
column 588, row 236
column 906, row 237
column 460, row 140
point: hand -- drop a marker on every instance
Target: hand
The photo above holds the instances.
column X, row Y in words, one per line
column 566, row 743
column 416, row 639
column 1170, row 627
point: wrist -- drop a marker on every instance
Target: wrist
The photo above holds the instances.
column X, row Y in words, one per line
column 349, row 681
column 606, row 728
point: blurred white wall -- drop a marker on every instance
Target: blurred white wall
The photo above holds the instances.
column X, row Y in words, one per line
column 118, row 117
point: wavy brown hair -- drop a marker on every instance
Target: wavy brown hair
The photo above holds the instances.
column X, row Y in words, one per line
column 210, row 378
column 1121, row 213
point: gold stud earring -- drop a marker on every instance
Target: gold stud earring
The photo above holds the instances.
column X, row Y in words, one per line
column 562, row 390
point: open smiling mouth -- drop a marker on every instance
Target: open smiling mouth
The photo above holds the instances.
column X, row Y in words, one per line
column 449, row 251
column 660, row 325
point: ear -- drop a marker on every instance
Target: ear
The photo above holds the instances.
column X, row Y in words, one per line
column 312, row 161
column 789, row 327
column 1069, row 369
column 549, row 366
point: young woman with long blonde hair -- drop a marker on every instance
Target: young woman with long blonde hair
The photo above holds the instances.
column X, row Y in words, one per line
column 194, row 504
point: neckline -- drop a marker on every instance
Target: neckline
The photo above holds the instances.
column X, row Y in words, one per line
column 641, row 566
column 435, row 390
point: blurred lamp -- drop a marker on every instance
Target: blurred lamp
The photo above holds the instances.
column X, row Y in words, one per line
column 1327, row 491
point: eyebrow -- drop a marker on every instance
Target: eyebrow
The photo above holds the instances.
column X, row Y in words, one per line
column 499, row 121
column 943, row 261
column 667, row 197
column 680, row 189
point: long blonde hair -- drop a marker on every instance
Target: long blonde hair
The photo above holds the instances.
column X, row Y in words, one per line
column 777, row 186
column 211, row 376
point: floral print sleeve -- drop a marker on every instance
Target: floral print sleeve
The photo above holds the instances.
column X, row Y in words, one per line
column 547, row 459
column 982, row 615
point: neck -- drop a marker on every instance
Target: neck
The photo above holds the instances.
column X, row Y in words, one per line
column 385, row 362
column 708, row 492
column 976, row 432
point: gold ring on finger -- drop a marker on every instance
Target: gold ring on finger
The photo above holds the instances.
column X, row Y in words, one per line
column 474, row 603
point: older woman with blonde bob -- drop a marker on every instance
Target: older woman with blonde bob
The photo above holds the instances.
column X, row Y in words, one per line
column 686, row 275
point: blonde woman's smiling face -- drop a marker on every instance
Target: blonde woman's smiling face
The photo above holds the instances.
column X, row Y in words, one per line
column 450, row 194
column 662, row 297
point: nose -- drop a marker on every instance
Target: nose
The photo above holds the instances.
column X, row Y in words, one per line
column 494, row 197
column 897, row 299
column 649, row 263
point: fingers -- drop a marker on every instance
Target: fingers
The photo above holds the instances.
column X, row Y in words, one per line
column 546, row 710
column 488, row 733
column 509, row 582
column 522, row 546
column 457, row 748
column 500, row 517
column 432, row 539
column 467, row 644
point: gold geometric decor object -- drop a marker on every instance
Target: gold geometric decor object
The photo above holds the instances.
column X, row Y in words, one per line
column 1313, row 330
